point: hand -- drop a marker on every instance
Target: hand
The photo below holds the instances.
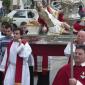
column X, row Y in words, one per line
column 19, row 40
column 72, row 81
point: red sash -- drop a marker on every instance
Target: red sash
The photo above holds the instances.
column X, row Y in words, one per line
column 19, row 65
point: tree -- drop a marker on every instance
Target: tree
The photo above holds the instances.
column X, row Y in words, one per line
column 6, row 4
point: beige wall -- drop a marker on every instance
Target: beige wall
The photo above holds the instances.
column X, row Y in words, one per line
column 83, row 2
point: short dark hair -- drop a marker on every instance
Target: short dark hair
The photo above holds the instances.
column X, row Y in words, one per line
column 18, row 29
column 4, row 23
column 8, row 26
column 80, row 47
column 23, row 23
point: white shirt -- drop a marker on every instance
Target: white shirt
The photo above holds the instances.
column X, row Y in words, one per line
column 22, row 50
column 1, row 36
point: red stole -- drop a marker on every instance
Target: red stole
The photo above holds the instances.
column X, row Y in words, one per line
column 19, row 65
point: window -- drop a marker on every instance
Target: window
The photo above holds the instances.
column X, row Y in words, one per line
column 20, row 14
column 30, row 14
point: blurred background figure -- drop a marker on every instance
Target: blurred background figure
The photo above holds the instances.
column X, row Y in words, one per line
column 80, row 39
column 18, row 70
column 81, row 11
column 2, row 9
column 6, row 39
column 6, row 31
column 64, row 74
column 23, row 26
column 79, row 25
column 2, row 29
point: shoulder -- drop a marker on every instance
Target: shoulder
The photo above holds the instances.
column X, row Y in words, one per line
column 64, row 69
column 63, row 73
column 24, row 41
column 66, row 66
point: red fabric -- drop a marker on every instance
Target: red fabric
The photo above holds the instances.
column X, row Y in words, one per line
column 42, row 22
column 45, row 64
column 8, row 47
column 82, row 10
column 62, row 77
column 61, row 17
column 18, row 73
column 77, row 26
column 19, row 64
column 46, row 50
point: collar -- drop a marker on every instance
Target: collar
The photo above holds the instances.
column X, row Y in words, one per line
column 82, row 64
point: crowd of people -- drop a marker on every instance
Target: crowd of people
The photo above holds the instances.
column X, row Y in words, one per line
column 16, row 58
column 11, row 46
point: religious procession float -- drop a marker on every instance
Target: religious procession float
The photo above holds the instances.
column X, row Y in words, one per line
column 48, row 50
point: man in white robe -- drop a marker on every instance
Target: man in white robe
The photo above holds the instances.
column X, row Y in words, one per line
column 15, row 62
column 80, row 39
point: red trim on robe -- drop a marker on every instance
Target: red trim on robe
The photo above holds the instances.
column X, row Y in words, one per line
column 19, row 64
column 8, row 47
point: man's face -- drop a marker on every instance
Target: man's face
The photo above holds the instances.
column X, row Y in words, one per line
column 81, row 38
column 8, row 32
column 17, row 35
column 24, row 28
column 79, row 56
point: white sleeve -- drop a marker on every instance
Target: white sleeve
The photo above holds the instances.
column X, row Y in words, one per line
column 67, row 50
column 26, row 51
column 3, row 63
column 20, row 48
column 79, row 83
column 31, row 60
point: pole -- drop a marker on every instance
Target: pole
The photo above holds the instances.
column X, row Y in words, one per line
column 71, row 52
column 72, row 39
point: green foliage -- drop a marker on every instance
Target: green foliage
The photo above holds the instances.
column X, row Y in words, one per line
column 6, row 3
column 6, row 19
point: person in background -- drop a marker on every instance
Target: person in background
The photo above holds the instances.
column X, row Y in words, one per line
column 79, row 25
column 81, row 11
column 2, row 10
column 64, row 74
column 3, row 44
column 23, row 26
column 14, row 64
column 6, row 39
column 2, row 29
column 80, row 39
